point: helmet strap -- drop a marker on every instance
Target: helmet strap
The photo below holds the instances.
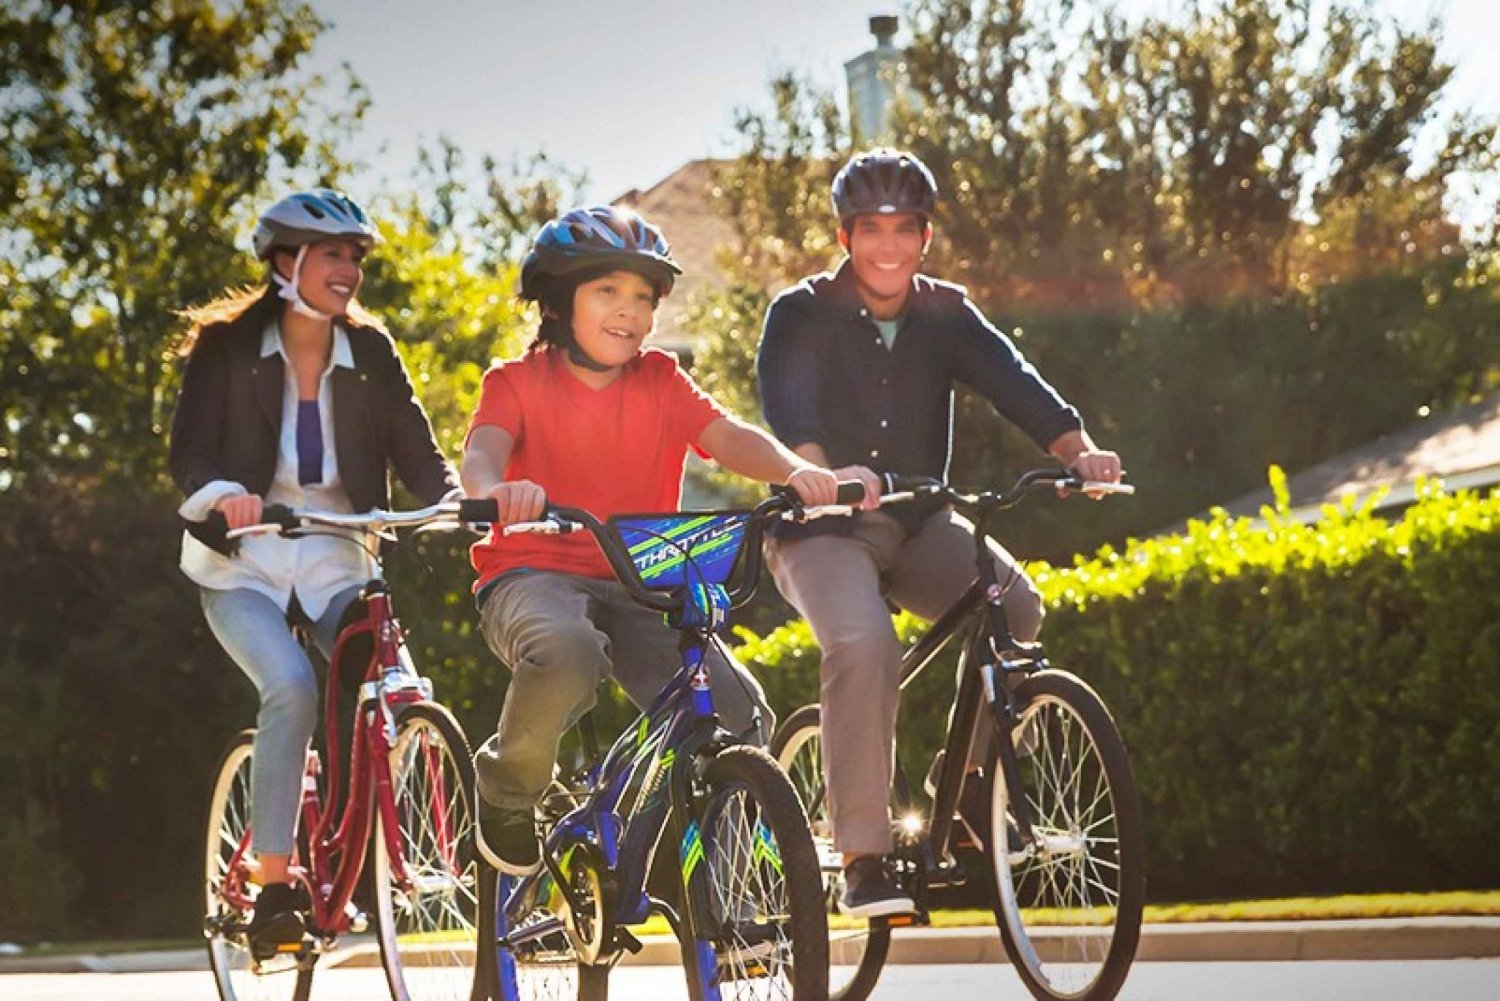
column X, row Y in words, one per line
column 292, row 293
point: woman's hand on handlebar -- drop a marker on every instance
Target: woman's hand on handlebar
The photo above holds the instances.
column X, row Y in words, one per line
column 868, row 479
column 815, row 486
column 518, row 501
column 240, row 510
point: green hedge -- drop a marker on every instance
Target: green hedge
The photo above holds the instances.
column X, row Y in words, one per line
column 1309, row 708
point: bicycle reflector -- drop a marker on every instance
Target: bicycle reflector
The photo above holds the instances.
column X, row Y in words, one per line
column 671, row 551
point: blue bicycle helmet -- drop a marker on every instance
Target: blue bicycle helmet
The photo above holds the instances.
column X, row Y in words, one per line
column 309, row 216
column 594, row 239
column 883, row 182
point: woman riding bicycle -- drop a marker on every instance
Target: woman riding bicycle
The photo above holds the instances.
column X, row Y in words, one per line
column 294, row 395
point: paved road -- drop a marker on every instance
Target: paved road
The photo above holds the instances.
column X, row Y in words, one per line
column 1447, row 980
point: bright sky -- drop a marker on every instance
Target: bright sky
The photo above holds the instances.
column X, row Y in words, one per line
column 630, row 91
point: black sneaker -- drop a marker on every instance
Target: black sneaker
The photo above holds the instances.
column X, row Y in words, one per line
column 508, row 840
column 869, row 891
column 275, row 926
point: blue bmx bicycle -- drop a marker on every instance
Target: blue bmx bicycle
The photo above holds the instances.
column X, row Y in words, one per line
column 678, row 819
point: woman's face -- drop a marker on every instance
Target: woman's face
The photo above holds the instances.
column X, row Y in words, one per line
column 332, row 271
column 612, row 316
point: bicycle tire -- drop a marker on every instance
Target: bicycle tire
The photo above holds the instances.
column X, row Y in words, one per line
column 236, row 975
column 764, row 886
column 1089, row 869
column 428, row 932
column 548, row 970
column 856, row 954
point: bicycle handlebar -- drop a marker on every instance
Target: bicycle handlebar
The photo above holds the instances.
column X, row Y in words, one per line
column 276, row 519
column 905, row 488
column 783, row 502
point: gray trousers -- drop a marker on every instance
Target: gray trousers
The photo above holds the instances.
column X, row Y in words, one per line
column 562, row 635
column 840, row 584
column 253, row 630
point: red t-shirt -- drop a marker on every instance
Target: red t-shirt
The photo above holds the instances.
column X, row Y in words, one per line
column 616, row 450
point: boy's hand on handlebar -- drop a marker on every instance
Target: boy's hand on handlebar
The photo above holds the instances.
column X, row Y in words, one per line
column 1096, row 466
column 870, row 480
column 518, row 501
column 815, row 485
column 240, row 510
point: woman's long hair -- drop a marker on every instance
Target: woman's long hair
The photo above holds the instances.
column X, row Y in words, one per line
column 251, row 304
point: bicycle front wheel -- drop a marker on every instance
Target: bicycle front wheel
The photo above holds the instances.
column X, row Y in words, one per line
column 766, row 929
column 857, row 948
column 1069, row 906
column 228, row 892
column 426, row 888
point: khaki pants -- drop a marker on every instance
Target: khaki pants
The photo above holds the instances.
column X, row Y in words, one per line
column 840, row 585
column 562, row 635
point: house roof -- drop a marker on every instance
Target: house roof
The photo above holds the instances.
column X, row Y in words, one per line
column 1461, row 447
column 681, row 205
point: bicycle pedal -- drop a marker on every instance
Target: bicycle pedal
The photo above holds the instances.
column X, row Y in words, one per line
column 917, row 919
column 627, row 941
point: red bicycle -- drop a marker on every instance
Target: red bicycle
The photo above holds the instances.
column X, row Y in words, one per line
column 410, row 782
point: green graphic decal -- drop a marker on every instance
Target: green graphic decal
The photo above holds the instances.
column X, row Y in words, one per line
column 692, row 851
column 765, row 847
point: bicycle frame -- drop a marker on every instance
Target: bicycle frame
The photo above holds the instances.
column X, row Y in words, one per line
column 644, row 786
column 643, row 780
column 335, row 858
column 990, row 658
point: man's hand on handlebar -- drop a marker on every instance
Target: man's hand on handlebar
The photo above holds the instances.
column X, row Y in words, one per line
column 868, row 479
column 1096, row 465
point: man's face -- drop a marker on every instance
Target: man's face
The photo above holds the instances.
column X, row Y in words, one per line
column 885, row 252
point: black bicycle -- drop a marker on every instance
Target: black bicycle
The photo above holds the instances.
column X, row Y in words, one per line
column 1068, row 864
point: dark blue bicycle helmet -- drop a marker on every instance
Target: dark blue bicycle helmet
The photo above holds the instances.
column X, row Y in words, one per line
column 596, row 239
column 883, row 182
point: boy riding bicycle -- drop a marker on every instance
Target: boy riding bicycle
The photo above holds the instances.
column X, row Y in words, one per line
column 590, row 419
column 856, row 372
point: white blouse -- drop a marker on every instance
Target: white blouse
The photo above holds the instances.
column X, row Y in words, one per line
column 315, row 567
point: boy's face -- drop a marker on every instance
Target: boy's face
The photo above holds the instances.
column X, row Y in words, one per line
column 612, row 316
column 885, row 252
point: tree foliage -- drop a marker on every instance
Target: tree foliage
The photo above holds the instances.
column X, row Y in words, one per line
column 1215, row 232
column 135, row 140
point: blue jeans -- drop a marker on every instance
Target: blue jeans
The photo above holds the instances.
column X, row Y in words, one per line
column 253, row 630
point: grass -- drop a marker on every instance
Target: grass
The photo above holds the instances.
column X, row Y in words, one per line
column 1484, row 903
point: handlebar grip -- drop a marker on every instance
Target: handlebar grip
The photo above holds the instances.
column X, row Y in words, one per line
column 278, row 514
column 851, row 492
column 479, row 510
column 895, row 483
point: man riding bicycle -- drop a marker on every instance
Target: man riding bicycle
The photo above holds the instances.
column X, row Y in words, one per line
column 857, row 369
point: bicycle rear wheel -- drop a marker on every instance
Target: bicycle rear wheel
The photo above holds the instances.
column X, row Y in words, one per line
column 428, row 908
column 547, row 967
column 766, row 930
column 857, row 949
column 1069, row 907
column 228, row 892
